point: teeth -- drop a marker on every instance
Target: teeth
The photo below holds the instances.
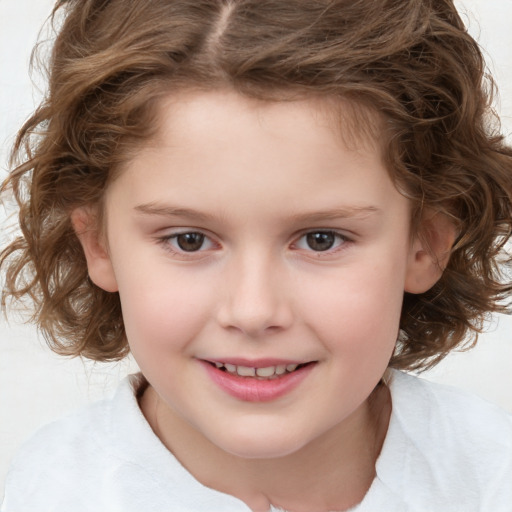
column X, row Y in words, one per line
column 280, row 369
column 267, row 372
column 245, row 371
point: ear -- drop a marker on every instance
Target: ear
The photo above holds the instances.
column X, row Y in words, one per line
column 430, row 252
column 98, row 259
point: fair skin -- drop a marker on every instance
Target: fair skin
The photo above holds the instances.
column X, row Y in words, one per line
column 298, row 252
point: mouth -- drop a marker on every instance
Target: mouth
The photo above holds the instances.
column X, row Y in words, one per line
column 264, row 380
column 270, row 372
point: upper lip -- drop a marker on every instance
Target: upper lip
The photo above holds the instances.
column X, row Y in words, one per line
column 255, row 363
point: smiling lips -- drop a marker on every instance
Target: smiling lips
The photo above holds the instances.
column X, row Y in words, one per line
column 259, row 383
column 268, row 372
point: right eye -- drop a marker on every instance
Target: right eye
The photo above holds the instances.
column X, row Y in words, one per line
column 188, row 241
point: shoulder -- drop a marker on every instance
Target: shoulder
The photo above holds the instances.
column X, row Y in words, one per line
column 75, row 452
column 105, row 457
column 446, row 444
column 426, row 407
column 77, row 433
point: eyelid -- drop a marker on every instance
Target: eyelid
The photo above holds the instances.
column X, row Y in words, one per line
column 165, row 241
column 341, row 236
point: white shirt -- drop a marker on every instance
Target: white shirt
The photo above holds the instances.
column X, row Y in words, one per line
column 445, row 451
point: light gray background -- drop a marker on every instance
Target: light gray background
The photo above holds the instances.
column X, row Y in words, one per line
column 37, row 386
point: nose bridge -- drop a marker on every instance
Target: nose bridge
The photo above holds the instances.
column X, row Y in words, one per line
column 256, row 299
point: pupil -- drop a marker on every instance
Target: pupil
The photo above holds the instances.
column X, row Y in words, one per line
column 320, row 241
column 190, row 241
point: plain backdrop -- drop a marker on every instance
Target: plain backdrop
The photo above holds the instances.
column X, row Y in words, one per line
column 37, row 386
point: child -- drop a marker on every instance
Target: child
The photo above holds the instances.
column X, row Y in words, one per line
column 275, row 206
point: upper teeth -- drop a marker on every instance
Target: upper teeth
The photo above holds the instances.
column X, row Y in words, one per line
column 248, row 371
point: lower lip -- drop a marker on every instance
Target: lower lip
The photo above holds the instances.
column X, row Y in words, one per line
column 251, row 389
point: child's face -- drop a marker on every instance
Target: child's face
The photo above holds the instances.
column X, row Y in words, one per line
column 298, row 252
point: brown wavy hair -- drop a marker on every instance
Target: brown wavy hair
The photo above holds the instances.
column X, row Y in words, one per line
column 410, row 61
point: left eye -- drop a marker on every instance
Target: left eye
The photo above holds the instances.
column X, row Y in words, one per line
column 320, row 241
column 189, row 242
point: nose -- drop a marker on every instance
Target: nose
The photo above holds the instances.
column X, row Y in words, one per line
column 256, row 299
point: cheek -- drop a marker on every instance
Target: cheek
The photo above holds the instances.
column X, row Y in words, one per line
column 358, row 311
column 162, row 313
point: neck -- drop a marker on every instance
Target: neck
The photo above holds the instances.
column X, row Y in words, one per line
column 333, row 472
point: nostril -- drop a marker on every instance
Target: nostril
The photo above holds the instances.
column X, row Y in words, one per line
column 255, row 308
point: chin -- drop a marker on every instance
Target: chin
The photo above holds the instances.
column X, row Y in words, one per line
column 261, row 445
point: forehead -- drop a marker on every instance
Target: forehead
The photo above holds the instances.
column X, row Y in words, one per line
column 204, row 135
column 356, row 126
column 232, row 156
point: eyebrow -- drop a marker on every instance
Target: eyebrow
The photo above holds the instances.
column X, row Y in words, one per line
column 337, row 213
column 171, row 211
column 315, row 216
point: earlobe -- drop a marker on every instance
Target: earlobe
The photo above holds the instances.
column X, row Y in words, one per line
column 430, row 253
column 98, row 259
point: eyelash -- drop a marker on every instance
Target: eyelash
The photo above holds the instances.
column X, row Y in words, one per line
column 339, row 242
column 167, row 242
